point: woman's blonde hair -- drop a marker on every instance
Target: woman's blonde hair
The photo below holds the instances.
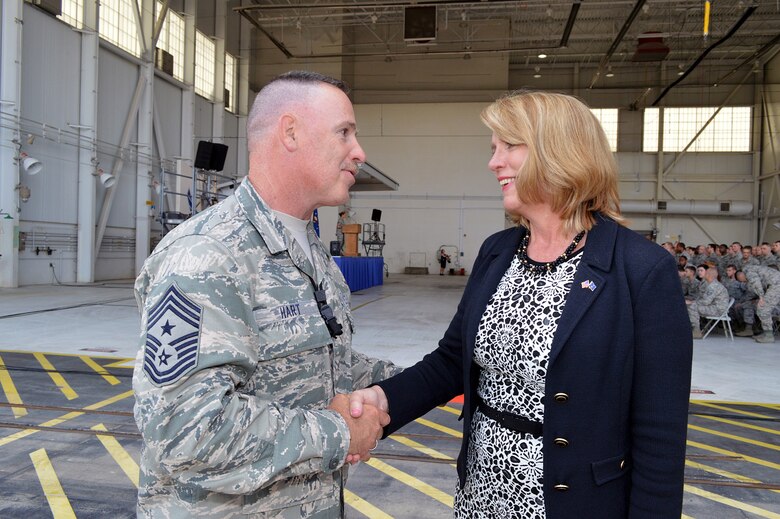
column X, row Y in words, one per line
column 569, row 166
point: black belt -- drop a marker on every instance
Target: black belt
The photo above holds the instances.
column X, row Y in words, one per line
column 510, row 420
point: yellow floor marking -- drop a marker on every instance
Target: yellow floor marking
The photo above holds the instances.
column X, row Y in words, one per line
column 739, row 424
column 723, row 473
column 111, row 379
column 412, row 481
column 10, row 391
column 683, row 516
column 58, row 379
column 419, row 447
column 64, row 418
column 124, row 363
column 732, row 410
column 770, row 406
column 731, row 502
column 58, row 502
column 450, row 409
column 364, row 507
column 438, row 427
column 750, row 459
column 120, row 455
column 725, row 402
column 735, row 437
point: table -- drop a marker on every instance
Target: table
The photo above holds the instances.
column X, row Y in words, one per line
column 361, row 272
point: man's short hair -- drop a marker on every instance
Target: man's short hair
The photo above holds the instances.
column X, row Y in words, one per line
column 691, row 267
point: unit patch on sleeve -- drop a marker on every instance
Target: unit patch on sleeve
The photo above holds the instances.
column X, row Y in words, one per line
column 172, row 336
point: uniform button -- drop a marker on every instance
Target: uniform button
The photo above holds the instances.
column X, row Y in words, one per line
column 334, row 464
column 622, row 464
column 561, row 442
column 561, row 487
column 561, row 397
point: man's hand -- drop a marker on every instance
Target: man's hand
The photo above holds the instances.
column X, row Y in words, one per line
column 364, row 431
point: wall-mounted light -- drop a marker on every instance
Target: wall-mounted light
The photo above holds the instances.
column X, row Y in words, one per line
column 107, row 179
column 31, row 165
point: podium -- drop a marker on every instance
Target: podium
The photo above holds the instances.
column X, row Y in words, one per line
column 351, row 231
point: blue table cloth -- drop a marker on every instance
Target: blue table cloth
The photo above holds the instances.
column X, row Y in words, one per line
column 361, row 272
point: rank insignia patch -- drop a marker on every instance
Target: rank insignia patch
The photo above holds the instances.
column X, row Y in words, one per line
column 172, row 335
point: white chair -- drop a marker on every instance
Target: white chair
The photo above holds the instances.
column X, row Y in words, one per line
column 724, row 319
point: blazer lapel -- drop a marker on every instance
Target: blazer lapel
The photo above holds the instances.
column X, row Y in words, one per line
column 588, row 281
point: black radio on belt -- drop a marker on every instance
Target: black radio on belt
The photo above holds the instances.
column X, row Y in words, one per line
column 334, row 326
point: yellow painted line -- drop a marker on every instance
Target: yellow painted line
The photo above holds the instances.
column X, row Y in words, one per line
column 739, row 424
column 726, row 402
column 412, row 481
column 735, row 437
column 750, row 459
column 120, row 455
column 11, row 394
column 364, row 507
column 58, row 501
column 738, row 411
column 64, row 418
column 723, row 473
column 123, row 363
column 439, row 427
column 450, row 409
column 731, row 502
column 683, row 516
column 419, row 447
column 58, row 379
column 111, row 379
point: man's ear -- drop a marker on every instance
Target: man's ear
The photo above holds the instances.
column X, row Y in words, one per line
column 287, row 132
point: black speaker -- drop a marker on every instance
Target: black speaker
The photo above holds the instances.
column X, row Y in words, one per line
column 211, row 156
column 376, row 215
column 335, row 248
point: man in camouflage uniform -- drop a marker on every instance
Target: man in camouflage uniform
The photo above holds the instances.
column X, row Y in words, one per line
column 767, row 259
column 765, row 282
column 712, row 300
column 691, row 285
column 246, row 331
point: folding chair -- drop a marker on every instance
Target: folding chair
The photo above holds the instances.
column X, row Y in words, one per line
column 724, row 319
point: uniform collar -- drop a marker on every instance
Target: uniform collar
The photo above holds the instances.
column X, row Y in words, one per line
column 261, row 217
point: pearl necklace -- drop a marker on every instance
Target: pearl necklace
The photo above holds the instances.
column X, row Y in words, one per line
column 541, row 268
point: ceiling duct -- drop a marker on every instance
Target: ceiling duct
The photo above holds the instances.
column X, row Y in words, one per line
column 687, row 207
column 651, row 47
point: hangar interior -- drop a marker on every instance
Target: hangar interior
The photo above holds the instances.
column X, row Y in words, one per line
column 103, row 108
column 88, row 104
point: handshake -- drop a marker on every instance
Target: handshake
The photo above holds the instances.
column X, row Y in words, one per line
column 366, row 413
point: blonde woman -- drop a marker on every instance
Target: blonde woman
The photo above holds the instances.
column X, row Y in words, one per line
column 571, row 342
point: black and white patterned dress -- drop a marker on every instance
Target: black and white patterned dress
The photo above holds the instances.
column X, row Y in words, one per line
column 504, row 467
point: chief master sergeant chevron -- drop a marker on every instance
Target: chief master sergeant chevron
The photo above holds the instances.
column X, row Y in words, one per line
column 246, row 331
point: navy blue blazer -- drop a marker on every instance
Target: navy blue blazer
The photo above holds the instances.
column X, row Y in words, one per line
column 618, row 378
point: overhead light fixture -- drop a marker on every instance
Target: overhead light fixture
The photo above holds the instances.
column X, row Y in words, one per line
column 31, row 165
column 537, row 75
column 609, row 72
column 542, row 55
column 680, row 70
column 374, row 18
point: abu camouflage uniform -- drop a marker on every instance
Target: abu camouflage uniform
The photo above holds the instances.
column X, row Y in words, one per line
column 765, row 282
column 713, row 299
column 237, row 367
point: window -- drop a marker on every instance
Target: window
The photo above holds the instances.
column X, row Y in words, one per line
column 608, row 117
column 230, row 83
column 204, row 65
column 729, row 131
column 172, row 39
column 117, row 24
column 73, row 13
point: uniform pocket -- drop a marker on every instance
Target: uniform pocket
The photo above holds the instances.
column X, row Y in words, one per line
column 609, row 469
column 292, row 492
column 289, row 328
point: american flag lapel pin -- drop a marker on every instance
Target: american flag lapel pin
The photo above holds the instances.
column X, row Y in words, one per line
column 589, row 285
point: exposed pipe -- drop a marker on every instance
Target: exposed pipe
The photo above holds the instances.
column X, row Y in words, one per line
column 687, row 207
column 575, row 7
column 748, row 12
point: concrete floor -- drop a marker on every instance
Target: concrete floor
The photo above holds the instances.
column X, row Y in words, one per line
column 87, row 333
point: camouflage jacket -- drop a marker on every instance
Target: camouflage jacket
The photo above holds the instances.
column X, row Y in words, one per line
column 237, row 366
column 713, row 294
column 760, row 279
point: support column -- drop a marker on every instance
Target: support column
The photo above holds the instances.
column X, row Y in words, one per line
column 185, row 164
column 90, row 45
column 143, row 224
column 10, row 106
